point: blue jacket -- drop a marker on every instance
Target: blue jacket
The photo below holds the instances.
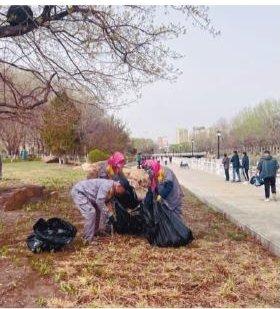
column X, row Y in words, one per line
column 269, row 167
column 245, row 162
column 171, row 191
column 235, row 161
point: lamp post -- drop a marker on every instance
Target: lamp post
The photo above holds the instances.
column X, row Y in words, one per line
column 192, row 147
column 219, row 136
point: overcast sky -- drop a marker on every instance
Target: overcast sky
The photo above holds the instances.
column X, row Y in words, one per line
column 220, row 75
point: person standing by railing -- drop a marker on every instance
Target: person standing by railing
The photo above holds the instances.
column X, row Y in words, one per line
column 245, row 166
column 236, row 166
column 226, row 164
column 268, row 171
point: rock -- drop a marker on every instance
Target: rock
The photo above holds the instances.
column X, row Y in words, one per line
column 92, row 169
column 16, row 198
column 50, row 159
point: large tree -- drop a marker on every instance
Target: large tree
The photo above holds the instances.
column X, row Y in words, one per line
column 59, row 126
column 99, row 50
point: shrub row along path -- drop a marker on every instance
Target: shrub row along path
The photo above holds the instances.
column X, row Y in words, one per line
column 241, row 203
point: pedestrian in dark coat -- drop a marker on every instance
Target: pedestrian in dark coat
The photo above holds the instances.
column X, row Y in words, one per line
column 269, row 168
column 245, row 166
column 235, row 167
column 226, row 163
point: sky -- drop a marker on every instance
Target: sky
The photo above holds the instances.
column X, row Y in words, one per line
column 221, row 75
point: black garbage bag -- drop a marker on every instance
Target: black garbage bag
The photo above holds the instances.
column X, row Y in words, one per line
column 50, row 235
column 128, row 216
column 129, row 199
column 128, row 221
column 256, row 181
column 163, row 227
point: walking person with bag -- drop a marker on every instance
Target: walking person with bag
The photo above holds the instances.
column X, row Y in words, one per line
column 268, row 172
column 235, row 167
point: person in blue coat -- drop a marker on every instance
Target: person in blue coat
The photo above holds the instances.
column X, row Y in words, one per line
column 268, row 172
column 235, row 167
column 245, row 166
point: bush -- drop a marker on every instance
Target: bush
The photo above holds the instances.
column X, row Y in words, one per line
column 96, row 155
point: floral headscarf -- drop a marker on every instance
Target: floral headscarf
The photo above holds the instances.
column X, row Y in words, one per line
column 116, row 161
column 155, row 172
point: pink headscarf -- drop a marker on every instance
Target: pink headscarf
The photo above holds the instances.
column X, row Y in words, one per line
column 155, row 167
column 117, row 160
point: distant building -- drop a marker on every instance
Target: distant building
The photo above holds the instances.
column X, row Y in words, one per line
column 182, row 136
column 162, row 142
column 198, row 131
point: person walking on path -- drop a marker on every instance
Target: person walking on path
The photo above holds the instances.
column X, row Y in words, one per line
column 245, row 166
column 226, row 163
column 90, row 197
column 236, row 166
column 268, row 172
column 138, row 160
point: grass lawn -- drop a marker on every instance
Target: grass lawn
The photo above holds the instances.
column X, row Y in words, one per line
column 222, row 267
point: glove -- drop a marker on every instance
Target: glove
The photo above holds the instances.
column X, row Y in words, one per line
column 158, row 198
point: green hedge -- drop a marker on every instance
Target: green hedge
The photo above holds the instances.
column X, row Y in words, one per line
column 96, row 155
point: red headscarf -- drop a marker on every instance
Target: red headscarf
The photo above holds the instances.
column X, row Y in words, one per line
column 117, row 161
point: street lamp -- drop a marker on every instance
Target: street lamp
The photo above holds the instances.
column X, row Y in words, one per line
column 192, row 146
column 219, row 137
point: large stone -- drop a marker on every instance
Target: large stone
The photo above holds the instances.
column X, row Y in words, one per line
column 17, row 197
column 50, row 159
column 92, row 169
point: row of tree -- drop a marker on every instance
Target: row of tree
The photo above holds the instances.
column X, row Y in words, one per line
column 252, row 129
column 64, row 127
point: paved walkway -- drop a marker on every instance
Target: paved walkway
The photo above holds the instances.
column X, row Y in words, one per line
column 242, row 204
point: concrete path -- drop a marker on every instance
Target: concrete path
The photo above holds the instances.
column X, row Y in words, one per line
column 242, row 204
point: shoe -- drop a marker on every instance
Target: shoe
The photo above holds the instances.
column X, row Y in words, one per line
column 245, row 182
column 274, row 197
column 267, row 200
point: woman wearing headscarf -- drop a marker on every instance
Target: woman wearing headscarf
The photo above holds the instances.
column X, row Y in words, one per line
column 165, row 185
column 113, row 167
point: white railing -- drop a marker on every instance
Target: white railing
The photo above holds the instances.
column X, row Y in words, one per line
column 215, row 166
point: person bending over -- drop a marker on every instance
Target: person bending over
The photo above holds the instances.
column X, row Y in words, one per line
column 90, row 196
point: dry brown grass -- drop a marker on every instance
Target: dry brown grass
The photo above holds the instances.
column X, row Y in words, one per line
column 223, row 267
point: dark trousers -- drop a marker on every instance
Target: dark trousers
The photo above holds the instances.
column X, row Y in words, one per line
column 269, row 182
column 246, row 173
column 227, row 174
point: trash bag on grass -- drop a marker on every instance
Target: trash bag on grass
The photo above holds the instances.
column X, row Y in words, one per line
column 50, row 235
column 128, row 216
column 163, row 227
column 129, row 199
column 128, row 221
